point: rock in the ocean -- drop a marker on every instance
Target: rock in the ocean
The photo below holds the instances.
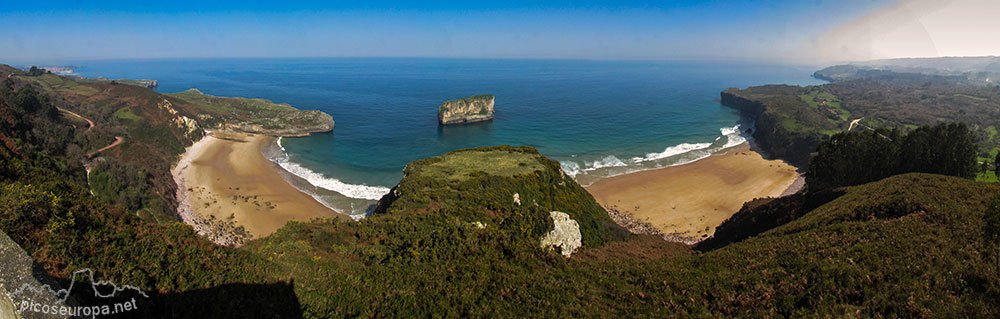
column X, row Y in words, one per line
column 466, row 110
column 565, row 234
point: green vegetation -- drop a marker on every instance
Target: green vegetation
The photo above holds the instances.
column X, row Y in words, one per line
column 254, row 115
column 854, row 158
column 155, row 127
column 126, row 185
column 472, row 99
column 125, row 113
column 792, row 120
column 987, row 177
column 461, row 185
column 974, row 98
column 54, row 83
column 460, row 166
column 996, row 165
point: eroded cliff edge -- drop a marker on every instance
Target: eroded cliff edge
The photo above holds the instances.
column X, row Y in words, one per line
column 773, row 133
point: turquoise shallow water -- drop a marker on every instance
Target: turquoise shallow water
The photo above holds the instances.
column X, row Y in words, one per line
column 598, row 118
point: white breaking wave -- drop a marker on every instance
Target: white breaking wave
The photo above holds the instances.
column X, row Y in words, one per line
column 678, row 154
column 673, row 151
column 332, row 184
column 571, row 168
column 279, row 144
column 607, row 161
column 733, row 135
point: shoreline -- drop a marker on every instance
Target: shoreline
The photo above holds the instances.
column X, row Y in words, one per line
column 230, row 192
column 686, row 202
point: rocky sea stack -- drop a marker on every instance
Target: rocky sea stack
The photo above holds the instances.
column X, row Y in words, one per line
column 471, row 109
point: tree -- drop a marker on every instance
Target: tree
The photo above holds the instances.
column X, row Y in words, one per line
column 996, row 165
column 853, row 158
column 35, row 71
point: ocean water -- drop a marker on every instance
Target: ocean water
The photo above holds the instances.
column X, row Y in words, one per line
column 598, row 118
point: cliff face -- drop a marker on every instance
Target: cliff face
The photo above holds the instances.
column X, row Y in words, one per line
column 466, row 110
column 771, row 136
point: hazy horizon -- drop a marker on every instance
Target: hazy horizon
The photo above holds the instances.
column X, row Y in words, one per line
column 784, row 32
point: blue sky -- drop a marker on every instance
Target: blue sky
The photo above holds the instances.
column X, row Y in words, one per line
column 54, row 31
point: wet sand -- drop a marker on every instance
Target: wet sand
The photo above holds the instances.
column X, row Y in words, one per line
column 691, row 200
column 229, row 179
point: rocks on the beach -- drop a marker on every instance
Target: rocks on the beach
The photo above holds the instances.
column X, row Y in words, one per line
column 565, row 234
column 466, row 110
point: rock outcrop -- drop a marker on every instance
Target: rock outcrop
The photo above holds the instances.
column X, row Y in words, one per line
column 466, row 110
column 565, row 234
column 21, row 281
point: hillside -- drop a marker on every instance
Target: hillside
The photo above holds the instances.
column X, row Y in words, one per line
column 910, row 245
column 792, row 120
column 155, row 128
column 969, row 70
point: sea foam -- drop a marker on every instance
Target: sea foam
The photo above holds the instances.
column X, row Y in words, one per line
column 332, row 184
column 734, row 136
column 607, row 161
column 673, row 151
column 679, row 154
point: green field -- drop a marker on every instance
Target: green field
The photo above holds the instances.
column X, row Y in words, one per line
column 826, row 102
column 461, row 165
column 54, row 83
column 989, row 177
column 125, row 113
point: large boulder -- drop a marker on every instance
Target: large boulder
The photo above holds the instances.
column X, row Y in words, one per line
column 565, row 234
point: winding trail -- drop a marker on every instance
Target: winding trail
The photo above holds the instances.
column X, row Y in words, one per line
column 118, row 139
column 87, row 164
column 91, row 123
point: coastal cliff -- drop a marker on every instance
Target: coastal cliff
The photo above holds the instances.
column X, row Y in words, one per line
column 777, row 134
column 256, row 116
column 471, row 109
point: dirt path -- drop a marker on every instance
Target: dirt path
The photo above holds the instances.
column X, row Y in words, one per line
column 118, row 140
column 89, row 122
column 853, row 123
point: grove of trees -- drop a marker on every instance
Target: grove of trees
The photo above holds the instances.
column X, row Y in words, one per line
column 854, row 158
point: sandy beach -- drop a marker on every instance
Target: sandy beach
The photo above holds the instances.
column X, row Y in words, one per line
column 225, row 179
column 690, row 200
